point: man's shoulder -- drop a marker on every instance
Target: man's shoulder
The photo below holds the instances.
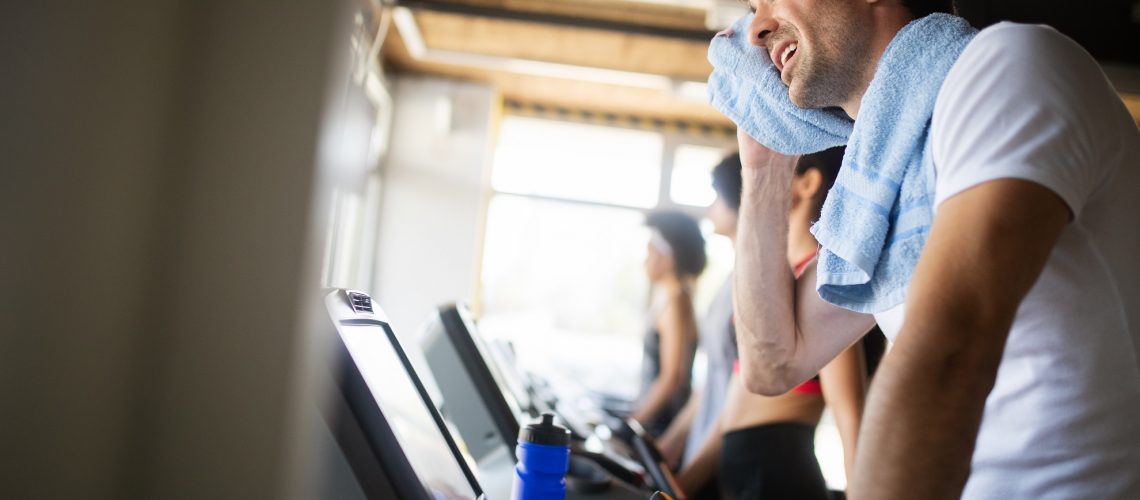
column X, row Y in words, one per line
column 1026, row 47
column 1025, row 101
column 1019, row 35
column 1011, row 62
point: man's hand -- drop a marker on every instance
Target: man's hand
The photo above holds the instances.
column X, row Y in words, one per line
column 987, row 247
column 756, row 155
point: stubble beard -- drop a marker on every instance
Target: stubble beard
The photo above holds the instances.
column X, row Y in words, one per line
column 833, row 70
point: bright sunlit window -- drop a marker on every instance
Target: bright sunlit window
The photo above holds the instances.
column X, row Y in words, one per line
column 565, row 266
column 578, row 161
column 692, row 165
column 564, row 244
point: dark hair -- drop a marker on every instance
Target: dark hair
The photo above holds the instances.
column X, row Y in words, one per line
column 923, row 8
column 874, row 346
column 726, row 181
column 827, row 162
column 684, row 237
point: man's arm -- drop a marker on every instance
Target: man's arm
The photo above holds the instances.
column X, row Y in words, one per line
column 784, row 331
column 987, row 247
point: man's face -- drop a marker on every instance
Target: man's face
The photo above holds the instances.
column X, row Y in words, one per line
column 819, row 46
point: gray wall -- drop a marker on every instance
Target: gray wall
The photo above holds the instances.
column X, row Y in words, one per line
column 432, row 197
column 157, row 205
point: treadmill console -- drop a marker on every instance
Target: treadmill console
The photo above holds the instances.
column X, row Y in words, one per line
column 381, row 416
column 476, row 396
column 480, row 397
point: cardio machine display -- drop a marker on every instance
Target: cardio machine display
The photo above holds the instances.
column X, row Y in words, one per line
column 392, row 436
column 483, row 400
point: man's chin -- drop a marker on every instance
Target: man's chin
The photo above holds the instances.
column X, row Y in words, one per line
column 796, row 95
column 803, row 99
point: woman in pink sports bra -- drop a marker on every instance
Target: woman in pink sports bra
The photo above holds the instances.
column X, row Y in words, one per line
column 763, row 447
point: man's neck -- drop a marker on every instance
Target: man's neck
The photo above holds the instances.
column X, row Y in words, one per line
column 887, row 25
column 852, row 104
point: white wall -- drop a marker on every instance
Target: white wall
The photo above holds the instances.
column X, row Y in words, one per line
column 431, row 204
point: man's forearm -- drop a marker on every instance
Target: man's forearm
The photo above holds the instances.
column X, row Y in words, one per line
column 921, row 422
column 785, row 332
column 763, row 284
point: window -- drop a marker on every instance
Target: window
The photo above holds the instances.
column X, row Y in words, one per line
column 566, row 266
column 578, row 161
column 692, row 166
column 564, row 243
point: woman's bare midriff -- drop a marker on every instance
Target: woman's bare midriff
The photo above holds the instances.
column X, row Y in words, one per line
column 743, row 409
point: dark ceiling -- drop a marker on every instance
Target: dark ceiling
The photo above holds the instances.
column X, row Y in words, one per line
column 1108, row 29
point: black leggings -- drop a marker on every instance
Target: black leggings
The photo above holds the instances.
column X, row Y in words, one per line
column 771, row 462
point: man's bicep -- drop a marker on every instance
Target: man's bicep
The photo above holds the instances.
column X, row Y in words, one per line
column 986, row 249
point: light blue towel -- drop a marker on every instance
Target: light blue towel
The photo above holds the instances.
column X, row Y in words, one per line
column 746, row 87
column 877, row 216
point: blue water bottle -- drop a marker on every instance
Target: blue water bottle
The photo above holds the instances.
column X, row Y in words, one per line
column 543, row 456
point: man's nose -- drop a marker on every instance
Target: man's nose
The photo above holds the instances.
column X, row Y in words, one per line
column 762, row 27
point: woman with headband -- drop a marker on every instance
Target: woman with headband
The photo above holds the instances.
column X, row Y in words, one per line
column 675, row 257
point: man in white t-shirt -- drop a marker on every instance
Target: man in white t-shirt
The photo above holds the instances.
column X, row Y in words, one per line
column 1014, row 371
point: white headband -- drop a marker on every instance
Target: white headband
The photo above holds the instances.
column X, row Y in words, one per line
column 660, row 243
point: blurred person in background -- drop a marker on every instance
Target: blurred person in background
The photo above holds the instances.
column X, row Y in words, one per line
column 688, row 432
column 764, row 447
column 674, row 260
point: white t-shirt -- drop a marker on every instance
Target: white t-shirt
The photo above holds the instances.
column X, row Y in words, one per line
column 1063, row 419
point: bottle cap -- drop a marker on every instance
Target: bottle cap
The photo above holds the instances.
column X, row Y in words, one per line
column 545, row 432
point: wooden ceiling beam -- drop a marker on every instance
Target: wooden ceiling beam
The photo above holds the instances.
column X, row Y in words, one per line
column 601, row 98
column 673, row 58
column 611, row 17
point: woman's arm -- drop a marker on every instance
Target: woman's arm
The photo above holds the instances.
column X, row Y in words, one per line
column 698, row 472
column 705, row 462
column 676, row 326
column 672, row 442
column 844, row 390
